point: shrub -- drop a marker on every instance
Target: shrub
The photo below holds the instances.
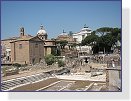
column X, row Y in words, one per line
column 50, row 59
column 61, row 63
column 17, row 65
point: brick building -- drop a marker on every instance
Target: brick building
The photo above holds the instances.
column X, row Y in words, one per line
column 27, row 49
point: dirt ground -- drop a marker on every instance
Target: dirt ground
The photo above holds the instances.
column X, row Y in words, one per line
column 36, row 86
column 76, row 85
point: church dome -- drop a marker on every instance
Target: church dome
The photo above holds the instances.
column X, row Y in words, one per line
column 41, row 31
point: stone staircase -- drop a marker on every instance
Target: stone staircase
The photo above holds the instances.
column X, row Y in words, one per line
column 10, row 84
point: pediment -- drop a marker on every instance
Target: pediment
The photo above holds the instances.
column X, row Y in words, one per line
column 36, row 38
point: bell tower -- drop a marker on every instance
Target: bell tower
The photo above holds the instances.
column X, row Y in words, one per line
column 22, row 32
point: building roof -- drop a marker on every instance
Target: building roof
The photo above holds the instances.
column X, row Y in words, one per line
column 41, row 31
column 49, row 40
column 26, row 39
column 11, row 38
column 15, row 38
column 63, row 36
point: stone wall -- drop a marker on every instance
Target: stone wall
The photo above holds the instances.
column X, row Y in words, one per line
column 36, row 52
column 114, row 79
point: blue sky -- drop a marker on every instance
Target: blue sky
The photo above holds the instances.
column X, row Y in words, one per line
column 57, row 15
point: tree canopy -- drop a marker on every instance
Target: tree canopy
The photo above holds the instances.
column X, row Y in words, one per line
column 89, row 39
column 104, row 38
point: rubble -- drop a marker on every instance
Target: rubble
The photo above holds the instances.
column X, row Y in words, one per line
column 75, row 69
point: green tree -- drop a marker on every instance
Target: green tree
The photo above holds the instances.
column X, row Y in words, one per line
column 90, row 39
column 109, row 38
column 104, row 30
column 62, row 43
column 119, row 37
column 106, row 39
column 17, row 64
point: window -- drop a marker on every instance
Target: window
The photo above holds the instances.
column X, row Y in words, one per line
column 20, row 46
column 36, row 45
column 75, row 39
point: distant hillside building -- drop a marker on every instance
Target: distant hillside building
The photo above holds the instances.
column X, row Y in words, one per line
column 79, row 36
